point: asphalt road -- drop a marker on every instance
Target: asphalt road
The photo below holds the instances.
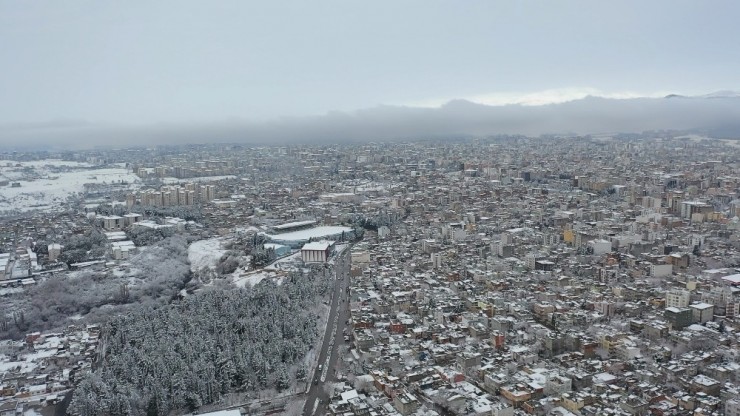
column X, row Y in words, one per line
column 316, row 398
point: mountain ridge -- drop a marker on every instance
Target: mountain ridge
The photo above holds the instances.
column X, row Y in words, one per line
column 716, row 113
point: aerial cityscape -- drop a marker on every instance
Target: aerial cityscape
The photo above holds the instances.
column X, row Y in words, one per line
column 387, row 208
column 506, row 275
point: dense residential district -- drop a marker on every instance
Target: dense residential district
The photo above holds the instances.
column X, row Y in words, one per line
column 501, row 276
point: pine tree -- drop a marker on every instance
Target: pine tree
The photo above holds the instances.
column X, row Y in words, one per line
column 301, row 373
column 282, row 380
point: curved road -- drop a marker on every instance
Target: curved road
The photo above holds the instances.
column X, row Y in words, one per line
column 316, row 398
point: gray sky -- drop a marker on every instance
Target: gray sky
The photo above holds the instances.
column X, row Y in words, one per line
column 142, row 62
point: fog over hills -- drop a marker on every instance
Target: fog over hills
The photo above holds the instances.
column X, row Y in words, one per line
column 716, row 114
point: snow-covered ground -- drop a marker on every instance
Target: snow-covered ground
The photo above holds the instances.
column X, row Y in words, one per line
column 251, row 279
column 287, row 263
column 52, row 188
column 246, row 229
column 205, row 253
column 38, row 164
column 26, row 362
column 10, row 290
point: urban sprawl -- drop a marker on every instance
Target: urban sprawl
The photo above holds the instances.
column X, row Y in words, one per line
column 501, row 276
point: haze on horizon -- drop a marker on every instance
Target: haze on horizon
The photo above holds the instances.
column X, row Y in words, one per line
column 109, row 69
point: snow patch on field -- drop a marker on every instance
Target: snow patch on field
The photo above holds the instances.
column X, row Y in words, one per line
column 38, row 164
column 251, row 279
column 10, row 290
column 241, row 279
column 205, row 254
column 287, row 262
column 51, row 188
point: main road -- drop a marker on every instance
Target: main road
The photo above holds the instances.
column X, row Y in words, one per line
column 317, row 398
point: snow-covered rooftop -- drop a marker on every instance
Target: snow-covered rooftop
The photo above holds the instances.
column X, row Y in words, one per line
column 733, row 279
column 316, row 232
column 223, row 413
column 318, row 246
column 295, row 224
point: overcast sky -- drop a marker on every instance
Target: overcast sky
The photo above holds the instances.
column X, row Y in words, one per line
column 205, row 61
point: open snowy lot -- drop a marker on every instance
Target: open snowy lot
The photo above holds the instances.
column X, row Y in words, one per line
column 44, row 186
column 205, row 253
column 251, row 279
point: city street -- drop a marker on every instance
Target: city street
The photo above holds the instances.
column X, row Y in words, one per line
column 317, row 398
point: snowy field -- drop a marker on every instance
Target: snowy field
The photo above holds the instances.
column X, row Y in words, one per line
column 10, row 290
column 40, row 164
column 51, row 188
column 205, row 254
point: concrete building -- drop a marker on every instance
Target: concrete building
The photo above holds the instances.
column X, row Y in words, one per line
column 661, row 270
column 208, row 193
column 600, row 246
column 436, row 260
column 189, row 197
column 111, row 222
column 55, row 250
column 732, row 407
column 317, row 252
column 689, row 208
column 405, row 403
column 702, row 312
column 5, row 265
column 131, row 219
column 678, row 318
column 677, row 298
column 724, row 301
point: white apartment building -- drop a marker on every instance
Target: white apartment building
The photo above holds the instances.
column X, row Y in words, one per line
column 677, row 298
column 600, row 246
column 661, row 270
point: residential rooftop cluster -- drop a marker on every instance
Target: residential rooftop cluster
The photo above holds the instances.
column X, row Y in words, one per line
column 540, row 281
column 41, row 370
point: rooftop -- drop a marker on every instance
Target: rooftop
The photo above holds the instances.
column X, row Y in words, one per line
column 318, row 245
